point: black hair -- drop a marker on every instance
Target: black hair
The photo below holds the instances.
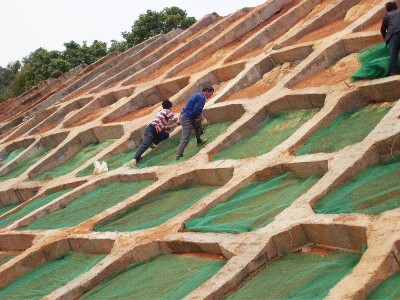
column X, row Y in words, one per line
column 207, row 87
column 166, row 104
column 391, row 6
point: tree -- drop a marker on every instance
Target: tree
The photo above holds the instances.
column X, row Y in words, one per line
column 152, row 23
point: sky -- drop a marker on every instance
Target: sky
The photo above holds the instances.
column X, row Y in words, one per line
column 26, row 25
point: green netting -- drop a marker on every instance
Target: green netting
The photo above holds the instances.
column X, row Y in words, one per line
column 298, row 276
column 89, row 205
column 44, row 279
column 167, row 276
column 389, row 289
column 113, row 162
column 156, row 210
column 6, row 221
column 5, row 257
column 349, row 128
column 374, row 62
column 271, row 133
column 253, row 206
column 6, row 208
column 76, row 161
column 374, row 190
column 164, row 154
column 24, row 165
column 11, row 156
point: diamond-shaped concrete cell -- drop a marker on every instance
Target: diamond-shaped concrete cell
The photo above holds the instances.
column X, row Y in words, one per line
column 371, row 187
column 11, row 198
column 75, row 151
column 268, row 128
column 63, row 112
column 97, row 107
column 254, row 205
column 166, row 201
column 23, row 203
column 49, row 267
column 24, row 159
column 13, row 245
column 76, row 207
column 144, row 102
column 354, row 117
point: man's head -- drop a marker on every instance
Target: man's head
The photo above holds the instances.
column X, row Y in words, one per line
column 166, row 104
column 391, row 6
column 207, row 90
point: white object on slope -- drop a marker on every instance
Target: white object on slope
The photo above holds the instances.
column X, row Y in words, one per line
column 100, row 167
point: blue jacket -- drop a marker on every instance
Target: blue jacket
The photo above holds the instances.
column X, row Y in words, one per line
column 194, row 107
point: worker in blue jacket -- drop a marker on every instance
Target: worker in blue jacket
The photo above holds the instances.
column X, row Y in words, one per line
column 191, row 118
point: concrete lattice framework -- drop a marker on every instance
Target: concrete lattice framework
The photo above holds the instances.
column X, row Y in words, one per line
column 288, row 50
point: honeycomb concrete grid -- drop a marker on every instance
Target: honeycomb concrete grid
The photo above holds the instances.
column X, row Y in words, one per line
column 278, row 56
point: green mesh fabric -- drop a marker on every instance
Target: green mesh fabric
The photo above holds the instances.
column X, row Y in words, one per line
column 5, row 257
column 24, row 165
column 6, row 208
column 253, row 206
column 165, row 152
column 156, row 210
column 113, row 162
column 167, row 276
column 271, row 133
column 76, row 161
column 389, row 289
column 374, row 190
column 6, row 221
column 298, row 276
column 349, row 128
column 89, row 205
column 374, row 62
column 43, row 280
column 11, row 156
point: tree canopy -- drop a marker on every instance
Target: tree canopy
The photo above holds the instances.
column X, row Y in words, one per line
column 42, row 64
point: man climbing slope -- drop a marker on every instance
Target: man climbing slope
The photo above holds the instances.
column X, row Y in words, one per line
column 191, row 117
column 390, row 31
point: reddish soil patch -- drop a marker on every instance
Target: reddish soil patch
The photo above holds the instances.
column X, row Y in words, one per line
column 47, row 128
column 323, row 32
column 135, row 114
column 267, row 82
column 374, row 27
column 94, row 115
column 337, row 73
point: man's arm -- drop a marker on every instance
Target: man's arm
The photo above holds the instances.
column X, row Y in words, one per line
column 384, row 27
column 198, row 107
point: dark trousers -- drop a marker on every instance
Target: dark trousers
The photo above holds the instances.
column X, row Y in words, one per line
column 187, row 126
column 150, row 136
column 394, row 45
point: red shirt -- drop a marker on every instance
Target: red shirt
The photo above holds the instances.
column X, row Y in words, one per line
column 161, row 119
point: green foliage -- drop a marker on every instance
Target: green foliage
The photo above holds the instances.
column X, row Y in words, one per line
column 42, row 64
column 152, row 23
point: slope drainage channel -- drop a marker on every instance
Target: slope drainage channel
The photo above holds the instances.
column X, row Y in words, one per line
column 165, row 153
column 374, row 190
column 42, row 280
column 89, row 205
column 349, row 128
column 156, row 210
column 306, row 276
column 30, row 207
column 167, row 276
column 253, row 206
column 76, row 161
column 271, row 132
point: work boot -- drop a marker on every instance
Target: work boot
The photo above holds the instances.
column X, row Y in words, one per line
column 178, row 157
column 201, row 142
